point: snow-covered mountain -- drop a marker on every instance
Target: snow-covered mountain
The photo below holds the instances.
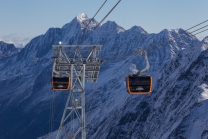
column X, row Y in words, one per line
column 7, row 50
column 175, row 109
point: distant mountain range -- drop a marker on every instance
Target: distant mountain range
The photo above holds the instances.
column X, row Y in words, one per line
column 176, row 109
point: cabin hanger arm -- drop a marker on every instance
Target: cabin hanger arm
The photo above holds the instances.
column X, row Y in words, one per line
column 141, row 51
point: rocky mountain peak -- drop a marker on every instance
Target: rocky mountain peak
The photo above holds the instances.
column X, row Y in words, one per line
column 138, row 29
column 7, row 49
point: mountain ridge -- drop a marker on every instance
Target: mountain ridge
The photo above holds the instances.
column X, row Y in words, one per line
column 26, row 89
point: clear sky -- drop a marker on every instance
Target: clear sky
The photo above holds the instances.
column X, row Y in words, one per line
column 21, row 20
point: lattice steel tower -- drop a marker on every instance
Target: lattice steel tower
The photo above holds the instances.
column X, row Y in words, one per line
column 79, row 63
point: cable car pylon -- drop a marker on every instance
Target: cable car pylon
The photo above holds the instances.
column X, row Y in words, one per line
column 77, row 63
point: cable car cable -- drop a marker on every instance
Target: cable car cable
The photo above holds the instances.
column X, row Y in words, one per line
column 88, row 23
column 100, row 8
column 196, row 25
column 201, row 32
column 100, row 22
column 199, row 29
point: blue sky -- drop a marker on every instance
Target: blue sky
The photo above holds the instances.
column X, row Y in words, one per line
column 22, row 20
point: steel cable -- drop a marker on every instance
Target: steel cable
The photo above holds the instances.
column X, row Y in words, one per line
column 199, row 28
column 196, row 25
column 201, row 31
column 100, row 22
column 88, row 23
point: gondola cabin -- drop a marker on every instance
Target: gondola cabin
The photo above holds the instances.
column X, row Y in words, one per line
column 60, row 83
column 139, row 84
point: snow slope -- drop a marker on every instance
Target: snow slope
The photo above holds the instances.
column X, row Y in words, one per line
column 175, row 108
